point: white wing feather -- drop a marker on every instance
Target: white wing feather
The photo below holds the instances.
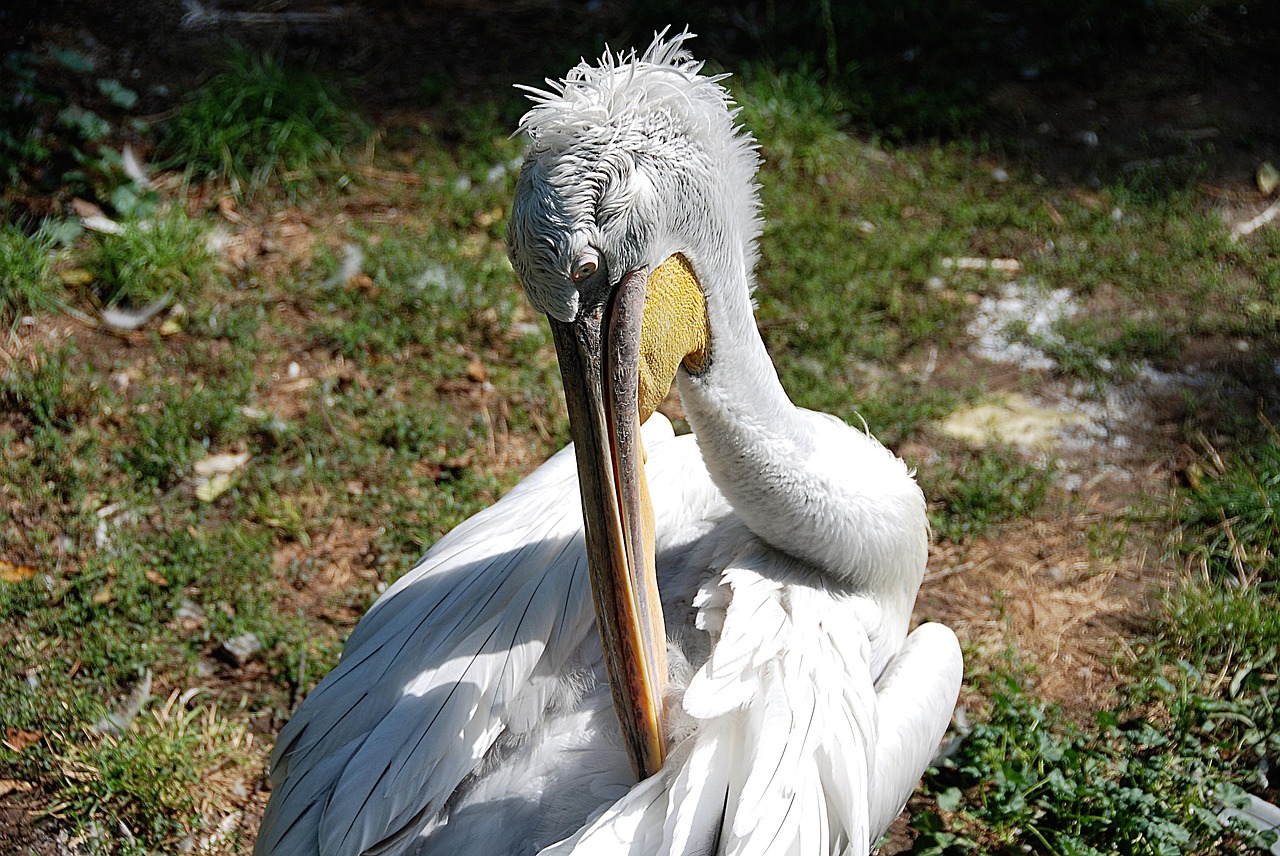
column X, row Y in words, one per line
column 784, row 732
column 483, row 625
column 916, row 693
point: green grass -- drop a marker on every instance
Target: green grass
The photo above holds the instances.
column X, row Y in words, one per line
column 124, row 545
column 155, row 774
column 978, row 489
column 179, row 425
column 1102, row 350
column 166, row 766
column 48, row 393
column 1199, row 710
column 1224, row 691
column 1026, row 779
column 1231, row 517
column 27, row 281
column 150, row 259
column 1224, row 618
column 261, row 120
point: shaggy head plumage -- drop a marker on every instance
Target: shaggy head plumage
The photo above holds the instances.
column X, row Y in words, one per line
column 632, row 159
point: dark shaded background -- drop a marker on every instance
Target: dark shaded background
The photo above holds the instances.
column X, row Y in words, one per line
column 996, row 71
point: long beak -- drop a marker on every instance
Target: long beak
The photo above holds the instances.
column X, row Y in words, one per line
column 599, row 357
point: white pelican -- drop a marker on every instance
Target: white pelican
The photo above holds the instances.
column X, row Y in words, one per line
column 472, row 711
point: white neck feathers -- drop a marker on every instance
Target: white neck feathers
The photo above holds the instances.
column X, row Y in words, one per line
column 805, row 482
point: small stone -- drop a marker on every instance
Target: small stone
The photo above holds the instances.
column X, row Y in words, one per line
column 239, row 650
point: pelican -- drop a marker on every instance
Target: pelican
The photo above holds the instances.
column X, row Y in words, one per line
column 654, row 643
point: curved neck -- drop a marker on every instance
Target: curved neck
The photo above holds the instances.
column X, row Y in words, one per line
column 753, row 439
column 739, row 386
column 807, row 484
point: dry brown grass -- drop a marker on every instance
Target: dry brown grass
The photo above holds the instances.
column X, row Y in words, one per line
column 1035, row 587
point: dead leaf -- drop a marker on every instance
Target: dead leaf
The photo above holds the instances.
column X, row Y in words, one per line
column 157, row 578
column 101, row 223
column 103, row 596
column 18, row 739
column 1054, row 214
column 11, row 573
column 1088, row 199
column 76, row 276
column 227, row 208
column 477, row 371
column 221, row 464
column 298, row 384
column 1268, row 178
column 175, row 322
column 10, row 786
column 460, row 462
column 214, row 487
column 85, row 208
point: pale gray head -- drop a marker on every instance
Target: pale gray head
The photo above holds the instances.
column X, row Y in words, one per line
column 630, row 162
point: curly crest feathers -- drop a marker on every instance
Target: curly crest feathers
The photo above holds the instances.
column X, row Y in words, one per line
column 626, row 89
column 635, row 159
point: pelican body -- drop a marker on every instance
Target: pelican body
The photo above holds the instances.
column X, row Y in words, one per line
column 654, row 643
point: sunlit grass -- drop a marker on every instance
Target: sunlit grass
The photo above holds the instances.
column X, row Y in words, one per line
column 1026, row 779
column 168, row 775
column 1231, row 517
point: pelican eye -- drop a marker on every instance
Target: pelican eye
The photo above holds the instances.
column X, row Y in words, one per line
column 584, row 267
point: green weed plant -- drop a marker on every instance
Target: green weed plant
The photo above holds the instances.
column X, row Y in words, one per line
column 260, row 120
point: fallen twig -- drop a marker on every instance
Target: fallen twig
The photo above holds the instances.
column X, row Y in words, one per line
column 197, row 16
column 1256, row 223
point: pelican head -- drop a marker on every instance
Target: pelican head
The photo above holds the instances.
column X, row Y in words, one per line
column 635, row 208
